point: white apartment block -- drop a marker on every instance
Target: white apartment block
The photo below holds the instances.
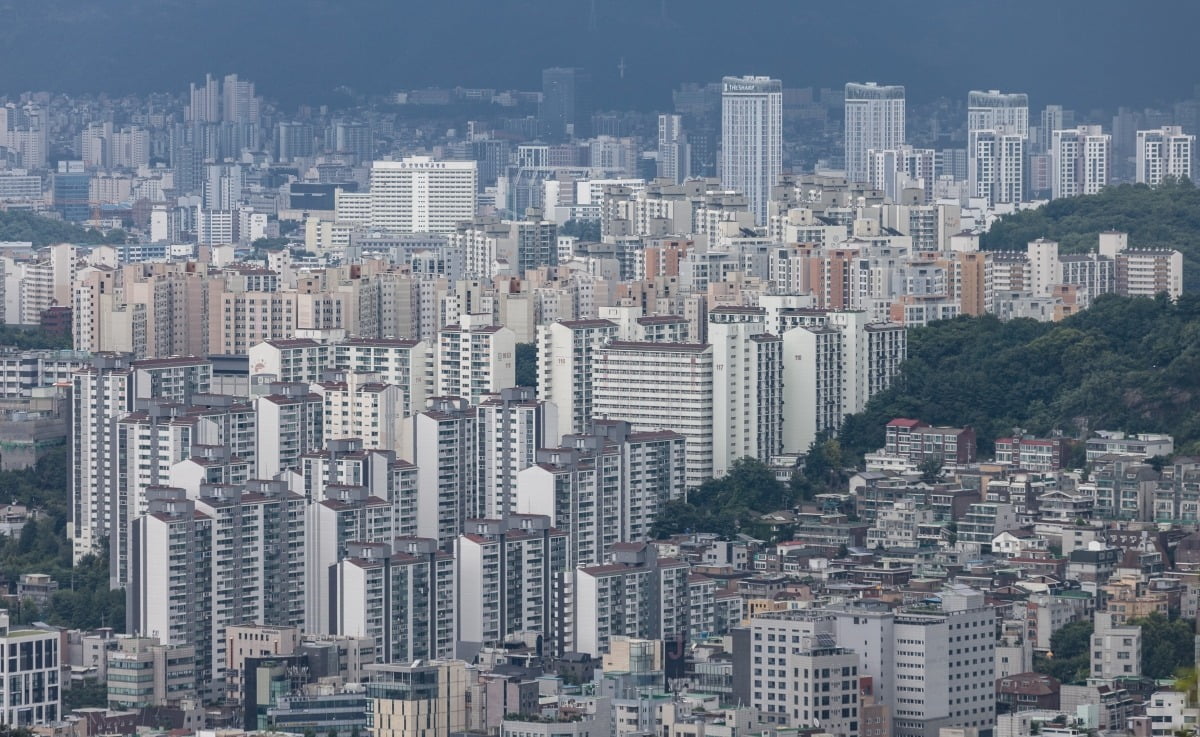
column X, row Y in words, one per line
column 170, row 567
column 1164, row 152
column 997, row 162
column 102, row 394
column 661, row 386
column 365, row 409
column 874, row 120
column 1116, row 650
column 31, row 690
column 402, row 595
column 637, row 595
column 510, row 573
column 407, row 364
column 345, row 514
column 421, row 195
column 1147, row 272
column 257, row 559
column 1081, row 159
column 747, row 387
column 290, row 423
column 604, row 488
column 511, row 426
column 443, row 444
column 475, row 358
column 752, row 138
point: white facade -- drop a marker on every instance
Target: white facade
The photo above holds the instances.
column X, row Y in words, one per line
column 747, row 389
column 1164, row 152
column 30, row 692
column 752, row 138
column 566, row 356
column 475, row 358
column 874, row 120
column 661, row 386
column 1081, row 159
column 421, row 195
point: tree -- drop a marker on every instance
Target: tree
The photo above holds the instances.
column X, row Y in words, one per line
column 734, row 502
column 1072, row 639
column 587, row 231
column 1167, row 645
column 526, row 360
column 931, row 469
column 1127, row 363
column 86, row 693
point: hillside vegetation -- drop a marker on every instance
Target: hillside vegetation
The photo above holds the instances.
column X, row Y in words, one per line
column 1167, row 217
column 18, row 225
column 1125, row 364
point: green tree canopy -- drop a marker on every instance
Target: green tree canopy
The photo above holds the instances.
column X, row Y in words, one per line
column 1165, row 217
column 1124, row 363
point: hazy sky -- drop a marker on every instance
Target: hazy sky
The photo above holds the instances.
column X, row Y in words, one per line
column 1081, row 53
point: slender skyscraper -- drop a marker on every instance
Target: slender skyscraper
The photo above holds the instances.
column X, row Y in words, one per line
column 674, row 153
column 752, row 138
column 874, row 120
column 566, row 103
column 997, row 128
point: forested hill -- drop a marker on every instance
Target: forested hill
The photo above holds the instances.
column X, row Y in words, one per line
column 1124, row 364
column 18, row 225
column 1167, row 217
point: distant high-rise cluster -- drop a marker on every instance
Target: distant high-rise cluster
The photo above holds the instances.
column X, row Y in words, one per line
column 464, row 410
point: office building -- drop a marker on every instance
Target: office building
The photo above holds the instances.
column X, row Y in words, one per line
column 71, row 184
column 874, row 120
column 419, row 194
column 31, row 690
column 1165, row 152
column 427, row 698
column 934, row 665
column 1081, row 159
column 566, row 109
column 752, row 139
column 806, row 680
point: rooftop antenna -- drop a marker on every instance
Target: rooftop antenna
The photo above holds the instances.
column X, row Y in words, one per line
column 621, row 67
column 592, row 16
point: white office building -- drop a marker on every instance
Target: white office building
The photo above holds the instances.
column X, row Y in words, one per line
column 31, row 690
column 752, row 138
column 419, row 194
column 874, row 120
